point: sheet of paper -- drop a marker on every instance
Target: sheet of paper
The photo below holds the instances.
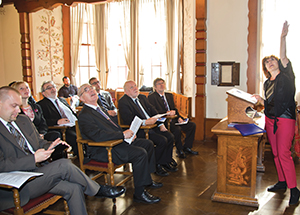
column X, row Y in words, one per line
column 70, row 124
column 135, row 125
column 183, row 122
column 16, row 178
column 242, row 95
column 159, row 115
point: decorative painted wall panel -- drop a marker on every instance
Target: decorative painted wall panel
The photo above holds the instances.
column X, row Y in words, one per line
column 47, row 46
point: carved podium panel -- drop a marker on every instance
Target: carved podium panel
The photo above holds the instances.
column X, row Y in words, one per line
column 237, row 160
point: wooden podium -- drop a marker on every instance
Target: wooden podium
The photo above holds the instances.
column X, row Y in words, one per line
column 237, row 157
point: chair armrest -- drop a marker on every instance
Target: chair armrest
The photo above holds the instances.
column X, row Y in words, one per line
column 171, row 117
column 58, row 127
column 109, row 143
column 148, row 126
column 6, row 186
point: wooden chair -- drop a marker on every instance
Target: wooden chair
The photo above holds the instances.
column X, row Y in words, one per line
column 35, row 205
column 104, row 169
column 145, row 127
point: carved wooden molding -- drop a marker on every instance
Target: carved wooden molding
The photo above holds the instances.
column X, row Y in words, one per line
column 29, row 6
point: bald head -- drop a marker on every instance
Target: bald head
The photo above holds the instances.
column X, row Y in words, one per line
column 4, row 92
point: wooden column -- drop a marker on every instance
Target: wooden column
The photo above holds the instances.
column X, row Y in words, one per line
column 66, row 42
column 25, row 48
column 252, row 47
column 200, row 70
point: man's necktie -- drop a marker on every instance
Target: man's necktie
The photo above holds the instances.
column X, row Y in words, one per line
column 61, row 111
column 165, row 103
column 103, row 101
column 105, row 116
column 19, row 138
column 140, row 109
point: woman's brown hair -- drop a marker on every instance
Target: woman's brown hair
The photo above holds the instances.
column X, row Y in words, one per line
column 266, row 72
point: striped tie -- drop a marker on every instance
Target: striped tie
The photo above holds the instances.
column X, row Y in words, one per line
column 61, row 111
column 19, row 138
column 105, row 116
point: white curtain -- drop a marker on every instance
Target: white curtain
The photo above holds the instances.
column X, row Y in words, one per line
column 128, row 34
column 76, row 22
column 99, row 36
column 173, row 45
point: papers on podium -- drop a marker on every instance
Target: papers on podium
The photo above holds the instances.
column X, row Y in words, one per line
column 242, row 95
column 135, row 125
column 17, row 178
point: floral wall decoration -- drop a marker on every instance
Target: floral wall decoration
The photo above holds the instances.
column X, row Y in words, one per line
column 47, row 44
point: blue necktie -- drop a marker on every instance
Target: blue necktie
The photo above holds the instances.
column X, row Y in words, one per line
column 105, row 116
column 165, row 103
column 19, row 138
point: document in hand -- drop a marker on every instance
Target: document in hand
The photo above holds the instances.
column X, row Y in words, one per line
column 162, row 119
column 159, row 115
column 17, row 178
column 135, row 125
column 183, row 122
column 249, row 129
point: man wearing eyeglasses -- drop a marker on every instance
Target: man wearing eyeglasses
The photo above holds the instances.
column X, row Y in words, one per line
column 57, row 111
column 104, row 99
column 95, row 124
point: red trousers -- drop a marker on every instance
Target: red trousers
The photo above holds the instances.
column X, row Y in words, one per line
column 281, row 143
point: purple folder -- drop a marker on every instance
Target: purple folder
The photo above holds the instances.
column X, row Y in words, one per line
column 249, row 129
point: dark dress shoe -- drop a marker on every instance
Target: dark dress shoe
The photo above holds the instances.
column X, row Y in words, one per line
column 173, row 163
column 280, row 185
column 294, row 198
column 106, row 191
column 146, row 198
column 181, row 154
column 169, row 168
column 189, row 151
column 161, row 171
column 155, row 185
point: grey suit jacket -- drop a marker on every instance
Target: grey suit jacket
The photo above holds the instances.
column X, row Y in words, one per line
column 108, row 99
column 12, row 157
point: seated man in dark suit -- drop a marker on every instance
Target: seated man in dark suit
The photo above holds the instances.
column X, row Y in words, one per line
column 69, row 90
column 22, row 149
column 95, row 124
column 58, row 112
column 134, row 104
column 105, row 99
column 164, row 103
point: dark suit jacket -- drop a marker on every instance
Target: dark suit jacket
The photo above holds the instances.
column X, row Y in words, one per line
column 50, row 112
column 12, row 157
column 155, row 99
column 95, row 127
column 128, row 109
column 39, row 120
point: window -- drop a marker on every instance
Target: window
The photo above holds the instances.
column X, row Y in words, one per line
column 150, row 46
column 274, row 13
column 86, row 65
